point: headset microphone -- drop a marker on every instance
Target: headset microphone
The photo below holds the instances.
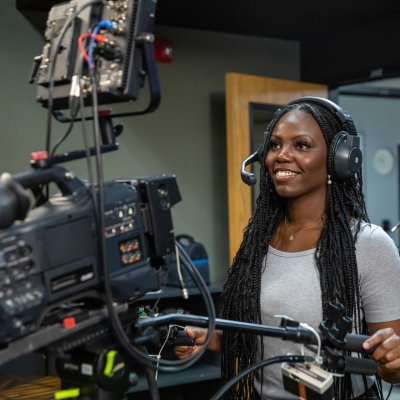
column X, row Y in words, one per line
column 249, row 178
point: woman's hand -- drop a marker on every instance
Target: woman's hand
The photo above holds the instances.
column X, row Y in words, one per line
column 199, row 335
column 387, row 350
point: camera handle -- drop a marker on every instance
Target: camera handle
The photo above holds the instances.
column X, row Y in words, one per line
column 15, row 203
column 65, row 180
column 108, row 131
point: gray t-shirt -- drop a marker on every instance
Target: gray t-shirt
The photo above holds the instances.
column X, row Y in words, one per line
column 290, row 286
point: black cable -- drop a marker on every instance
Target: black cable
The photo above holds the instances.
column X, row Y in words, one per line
column 63, row 138
column 260, row 364
column 165, row 365
column 74, row 105
column 390, row 391
column 161, row 365
column 87, row 147
column 52, row 73
column 154, row 394
column 53, row 65
column 136, row 354
column 195, row 275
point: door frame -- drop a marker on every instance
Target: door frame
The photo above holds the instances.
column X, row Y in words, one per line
column 241, row 90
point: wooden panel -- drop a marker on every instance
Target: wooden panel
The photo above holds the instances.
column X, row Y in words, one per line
column 28, row 388
column 241, row 90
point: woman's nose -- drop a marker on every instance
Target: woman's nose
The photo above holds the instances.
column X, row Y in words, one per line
column 283, row 154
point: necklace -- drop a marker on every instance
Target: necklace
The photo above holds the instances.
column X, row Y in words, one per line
column 291, row 235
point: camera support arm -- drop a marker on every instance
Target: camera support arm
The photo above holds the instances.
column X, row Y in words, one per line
column 334, row 360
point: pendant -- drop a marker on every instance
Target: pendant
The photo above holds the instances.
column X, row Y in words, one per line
column 291, row 237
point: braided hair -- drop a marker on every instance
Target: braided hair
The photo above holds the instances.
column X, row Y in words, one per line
column 335, row 256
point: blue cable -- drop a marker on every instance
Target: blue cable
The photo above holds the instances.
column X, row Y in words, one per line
column 102, row 24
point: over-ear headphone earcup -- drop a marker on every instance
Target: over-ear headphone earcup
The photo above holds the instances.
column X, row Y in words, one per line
column 344, row 156
column 331, row 156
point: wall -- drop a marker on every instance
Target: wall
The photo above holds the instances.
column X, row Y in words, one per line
column 185, row 136
column 376, row 119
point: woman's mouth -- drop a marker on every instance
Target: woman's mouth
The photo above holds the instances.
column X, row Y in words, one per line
column 285, row 174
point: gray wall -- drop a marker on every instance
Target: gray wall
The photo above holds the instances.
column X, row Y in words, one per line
column 185, row 136
column 377, row 121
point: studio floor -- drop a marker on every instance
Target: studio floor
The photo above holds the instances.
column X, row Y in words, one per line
column 44, row 387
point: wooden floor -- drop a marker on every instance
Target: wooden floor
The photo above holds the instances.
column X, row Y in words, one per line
column 28, row 388
column 44, row 387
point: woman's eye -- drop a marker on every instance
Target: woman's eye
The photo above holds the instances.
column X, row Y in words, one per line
column 303, row 145
column 273, row 145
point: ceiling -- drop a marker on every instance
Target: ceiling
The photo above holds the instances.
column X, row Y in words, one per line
column 341, row 42
column 284, row 19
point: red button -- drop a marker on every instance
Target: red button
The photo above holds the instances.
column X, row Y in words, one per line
column 69, row 323
column 39, row 155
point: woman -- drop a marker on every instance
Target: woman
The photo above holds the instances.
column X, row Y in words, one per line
column 309, row 242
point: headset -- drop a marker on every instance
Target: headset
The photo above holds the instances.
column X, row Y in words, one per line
column 344, row 155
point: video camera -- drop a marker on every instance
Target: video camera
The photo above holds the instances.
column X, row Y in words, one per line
column 52, row 256
column 95, row 52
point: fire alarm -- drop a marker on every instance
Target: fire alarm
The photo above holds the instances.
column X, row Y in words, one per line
column 163, row 50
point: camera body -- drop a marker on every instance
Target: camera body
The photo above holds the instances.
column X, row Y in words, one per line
column 53, row 256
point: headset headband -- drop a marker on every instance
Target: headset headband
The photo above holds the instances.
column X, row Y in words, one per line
column 329, row 105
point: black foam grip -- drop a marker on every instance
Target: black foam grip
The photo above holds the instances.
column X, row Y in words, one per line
column 354, row 342
column 361, row 366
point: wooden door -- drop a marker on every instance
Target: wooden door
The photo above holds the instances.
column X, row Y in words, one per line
column 242, row 91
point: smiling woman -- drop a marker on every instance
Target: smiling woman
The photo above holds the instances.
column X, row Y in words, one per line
column 309, row 243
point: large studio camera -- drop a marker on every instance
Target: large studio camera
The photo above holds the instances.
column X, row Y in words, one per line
column 53, row 254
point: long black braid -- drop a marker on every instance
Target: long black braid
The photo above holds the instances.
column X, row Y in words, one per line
column 335, row 257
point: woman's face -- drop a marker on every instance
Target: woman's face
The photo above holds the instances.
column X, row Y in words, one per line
column 297, row 156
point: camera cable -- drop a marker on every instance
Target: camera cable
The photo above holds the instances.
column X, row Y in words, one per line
column 124, row 341
column 53, row 63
